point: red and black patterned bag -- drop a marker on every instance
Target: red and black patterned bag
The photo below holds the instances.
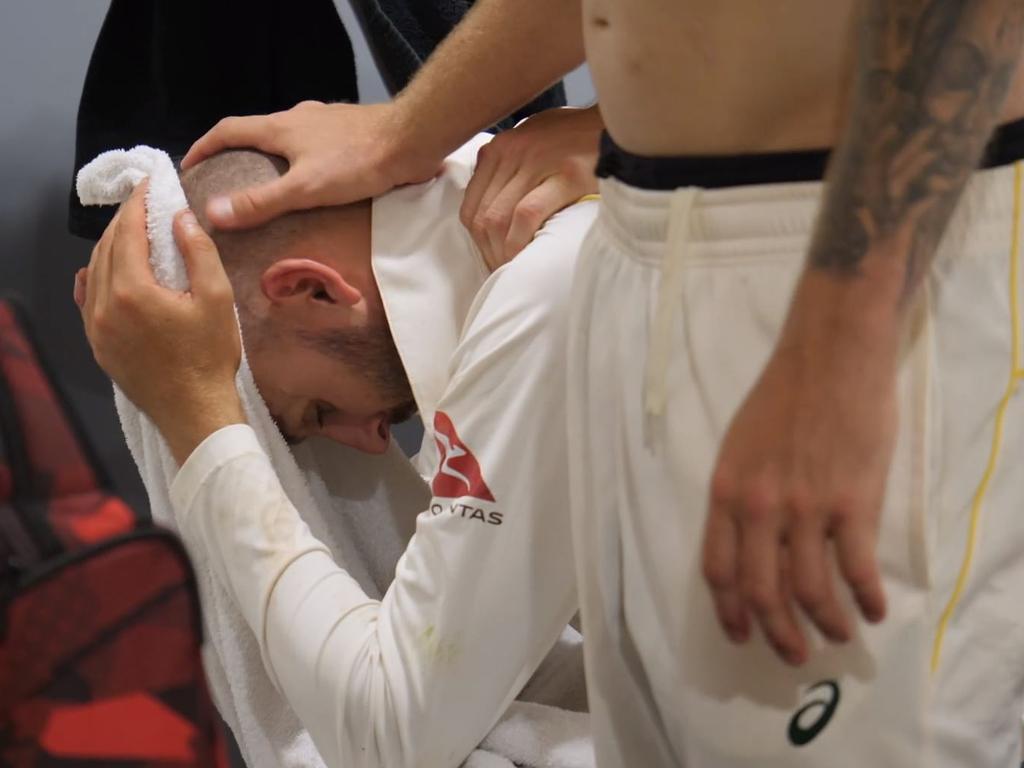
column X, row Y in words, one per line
column 99, row 621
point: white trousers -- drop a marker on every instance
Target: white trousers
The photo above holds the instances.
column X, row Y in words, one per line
column 678, row 299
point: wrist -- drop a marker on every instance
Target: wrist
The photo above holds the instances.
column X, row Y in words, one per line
column 848, row 315
column 410, row 152
column 185, row 428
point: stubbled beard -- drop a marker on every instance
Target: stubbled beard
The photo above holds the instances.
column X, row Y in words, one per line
column 369, row 351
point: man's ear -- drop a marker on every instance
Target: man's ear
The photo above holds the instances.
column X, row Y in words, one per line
column 306, row 280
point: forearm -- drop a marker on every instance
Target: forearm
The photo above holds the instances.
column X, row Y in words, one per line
column 499, row 57
column 235, row 518
column 932, row 78
column 414, row 680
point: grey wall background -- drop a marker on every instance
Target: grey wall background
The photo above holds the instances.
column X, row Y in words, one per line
column 45, row 47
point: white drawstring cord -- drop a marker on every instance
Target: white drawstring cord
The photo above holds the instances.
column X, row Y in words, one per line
column 659, row 350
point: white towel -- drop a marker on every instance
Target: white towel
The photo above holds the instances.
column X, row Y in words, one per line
column 362, row 507
column 537, row 736
column 544, row 728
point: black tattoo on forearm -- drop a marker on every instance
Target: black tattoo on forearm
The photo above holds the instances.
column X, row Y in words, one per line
column 932, row 79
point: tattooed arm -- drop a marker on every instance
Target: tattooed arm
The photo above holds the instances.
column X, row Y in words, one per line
column 807, row 455
column 932, row 79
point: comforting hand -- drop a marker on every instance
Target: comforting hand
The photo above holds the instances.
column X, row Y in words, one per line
column 337, row 153
column 526, row 175
column 800, row 479
column 173, row 354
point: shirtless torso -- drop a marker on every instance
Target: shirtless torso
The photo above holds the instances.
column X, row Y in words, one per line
column 746, row 75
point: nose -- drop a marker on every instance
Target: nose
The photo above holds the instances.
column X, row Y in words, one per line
column 290, row 437
column 369, row 435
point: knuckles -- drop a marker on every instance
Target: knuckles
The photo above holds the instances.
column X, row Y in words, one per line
column 309, row 184
column 578, row 172
column 99, row 325
column 506, row 145
column 724, row 488
column 220, row 294
column 718, row 574
column 753, row 501
column 492, row 220
column 760, row 595
column 801, row 507
column 124, row 298
column 528, row 214
column 846, row 511
column 810, row 594
column 789, row 501
column 758, row 504
column 770, row 498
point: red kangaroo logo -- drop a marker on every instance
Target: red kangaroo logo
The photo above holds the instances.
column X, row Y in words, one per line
column 459, row 472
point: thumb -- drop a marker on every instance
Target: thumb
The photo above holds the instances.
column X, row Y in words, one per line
column 256, row 205
column 202, row 260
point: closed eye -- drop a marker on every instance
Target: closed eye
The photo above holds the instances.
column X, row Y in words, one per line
column 322, row 411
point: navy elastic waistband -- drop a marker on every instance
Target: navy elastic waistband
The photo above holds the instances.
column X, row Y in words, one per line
column 715, row 171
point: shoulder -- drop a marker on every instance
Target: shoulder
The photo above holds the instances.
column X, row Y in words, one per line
column 541, row 275
column 523, row 307
column 459, row 165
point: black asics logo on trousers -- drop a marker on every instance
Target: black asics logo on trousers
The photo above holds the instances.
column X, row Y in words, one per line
column 812, row 717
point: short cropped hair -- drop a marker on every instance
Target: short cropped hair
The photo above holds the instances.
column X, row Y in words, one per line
column 246, row 253
column 229, row 171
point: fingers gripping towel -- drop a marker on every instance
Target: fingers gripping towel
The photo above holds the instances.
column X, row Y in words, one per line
column 360, row 508
column 110, row 179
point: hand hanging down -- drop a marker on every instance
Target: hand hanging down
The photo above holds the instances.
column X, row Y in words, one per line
column 803, row 468
column 801, row 476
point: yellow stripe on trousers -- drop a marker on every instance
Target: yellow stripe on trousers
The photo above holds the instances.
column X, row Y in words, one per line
column 1016, row 374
